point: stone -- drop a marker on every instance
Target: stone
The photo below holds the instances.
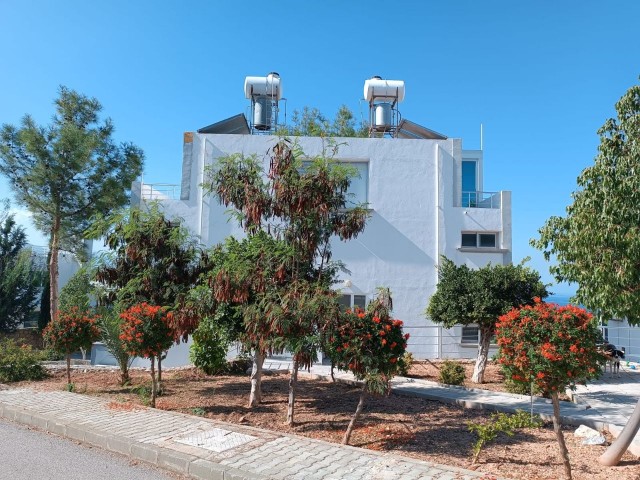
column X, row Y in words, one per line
column 595, row 440
column 585, row 432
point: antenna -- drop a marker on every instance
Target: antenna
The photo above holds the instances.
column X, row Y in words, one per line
column 383, row 97
column 481, row 137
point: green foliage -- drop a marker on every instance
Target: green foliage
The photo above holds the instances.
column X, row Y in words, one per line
column 310, row 122
column 404, row 364
column 519, row 388
column 370, row 344
column 143, row 392
column 451, row 373
column 554, row 347
column 597, row 244
column 76, row 292
column 18, row 363
column 465, row 296
column 211, row 341
column 71, row 330
column 19, row 278
column 500, row 423
column 67, row 172
column 110, row 325
column 153, row 259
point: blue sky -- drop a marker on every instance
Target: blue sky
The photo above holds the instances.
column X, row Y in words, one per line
column 541, row 77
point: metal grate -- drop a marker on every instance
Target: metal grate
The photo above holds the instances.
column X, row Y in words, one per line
column 216, row 440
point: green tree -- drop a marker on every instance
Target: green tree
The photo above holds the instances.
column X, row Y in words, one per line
column 478, row 297
column 152, row 259
column 553, row 348
column 19, row 278
column 290, row 218
column 310, row 122
column 371, row 345
column 67, row 172
column 597, row 244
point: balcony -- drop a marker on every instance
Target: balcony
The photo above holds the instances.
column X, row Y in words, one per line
column 481, row 200
column 159, row 191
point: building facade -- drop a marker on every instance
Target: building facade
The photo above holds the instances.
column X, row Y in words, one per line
column 425, row 194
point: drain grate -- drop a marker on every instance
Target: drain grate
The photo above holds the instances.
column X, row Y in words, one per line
column 216, row 440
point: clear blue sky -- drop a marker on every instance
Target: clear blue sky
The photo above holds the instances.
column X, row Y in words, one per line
column 541, row 77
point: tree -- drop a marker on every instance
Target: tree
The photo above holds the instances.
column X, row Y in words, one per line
column 19, row 278
column 371, row 345
column 147, row 331
column 70, row 331
column 153, row 260
column 290, row 218
column 465, row 296
column 312, row 123
column 67, row 172
column 552, row 347
column 597, row 244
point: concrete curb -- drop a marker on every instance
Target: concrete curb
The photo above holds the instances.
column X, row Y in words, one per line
column 165, row 458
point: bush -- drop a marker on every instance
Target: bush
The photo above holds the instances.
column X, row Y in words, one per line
column 19, row 363
column 520, row 388
column 501, row 423
column 210, row 344
column 404, row 364
column 451, row 373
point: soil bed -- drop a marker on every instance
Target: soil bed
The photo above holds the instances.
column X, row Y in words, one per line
column 419, row 428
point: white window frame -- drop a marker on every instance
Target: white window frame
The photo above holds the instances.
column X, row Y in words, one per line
column 477, row 244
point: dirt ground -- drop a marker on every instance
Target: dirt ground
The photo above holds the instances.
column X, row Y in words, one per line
column 414, row 427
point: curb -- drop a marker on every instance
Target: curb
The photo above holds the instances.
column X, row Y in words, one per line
column 165, row 458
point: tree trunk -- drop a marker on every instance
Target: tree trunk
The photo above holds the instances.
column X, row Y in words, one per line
column 354, row 419
column 54, row 248
column 483, row 354
column 68, row 369
column 159, row 390
column 613, row 454
column 256, row 380
column 333, row 366
column 293, row 380
column 557, row 428
column 153, row 382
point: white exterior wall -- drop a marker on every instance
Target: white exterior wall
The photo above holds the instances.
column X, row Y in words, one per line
column 414, row 191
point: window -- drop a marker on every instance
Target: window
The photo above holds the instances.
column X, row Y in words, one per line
column 479, row 240
column 470, row 335
column 352, row 301
column 469, row 183
column 358, row 191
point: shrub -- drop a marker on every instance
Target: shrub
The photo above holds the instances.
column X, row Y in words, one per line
column 451, row 373
column 70, row 331
column 500, row 423
column 147, row 332
column 19, row 362
column 110, row 324
column 210, row 344
column 404, row 364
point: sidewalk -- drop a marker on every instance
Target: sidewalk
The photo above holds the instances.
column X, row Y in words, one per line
column 208, row 449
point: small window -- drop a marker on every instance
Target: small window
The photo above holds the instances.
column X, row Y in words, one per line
column 352, row 301
column 470, row 335
column 479, row 240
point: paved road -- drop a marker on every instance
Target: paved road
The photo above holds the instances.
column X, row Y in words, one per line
column 31, row 454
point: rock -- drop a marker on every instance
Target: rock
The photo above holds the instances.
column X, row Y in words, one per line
column 595, row 440
column 585, row 432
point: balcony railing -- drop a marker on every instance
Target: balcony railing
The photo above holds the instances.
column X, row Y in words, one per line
column 160, row 191
column 481, row 200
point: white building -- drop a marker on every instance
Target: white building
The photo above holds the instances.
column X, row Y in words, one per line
column 426, row 199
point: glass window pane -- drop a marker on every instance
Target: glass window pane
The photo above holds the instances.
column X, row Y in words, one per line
column 469, row 240
column 358, row 189
column 487, row 240
column 359, row 301
column 345, row 302
column 470, row 335
column 468, row 176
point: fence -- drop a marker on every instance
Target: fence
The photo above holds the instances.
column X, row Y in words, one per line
column 160, row 191
column 624, row 337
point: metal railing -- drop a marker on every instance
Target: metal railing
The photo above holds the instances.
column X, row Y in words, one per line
column 160, row 191
column 481, row 200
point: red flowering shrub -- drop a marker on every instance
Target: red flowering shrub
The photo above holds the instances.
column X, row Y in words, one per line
column 367, row 343
column 71, row 330
column 146, row 330
column 553, row 346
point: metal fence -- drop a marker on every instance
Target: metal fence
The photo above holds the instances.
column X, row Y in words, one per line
column 160, row 191
column 481, row 200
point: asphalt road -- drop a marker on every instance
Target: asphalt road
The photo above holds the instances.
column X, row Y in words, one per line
column 32, row 454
